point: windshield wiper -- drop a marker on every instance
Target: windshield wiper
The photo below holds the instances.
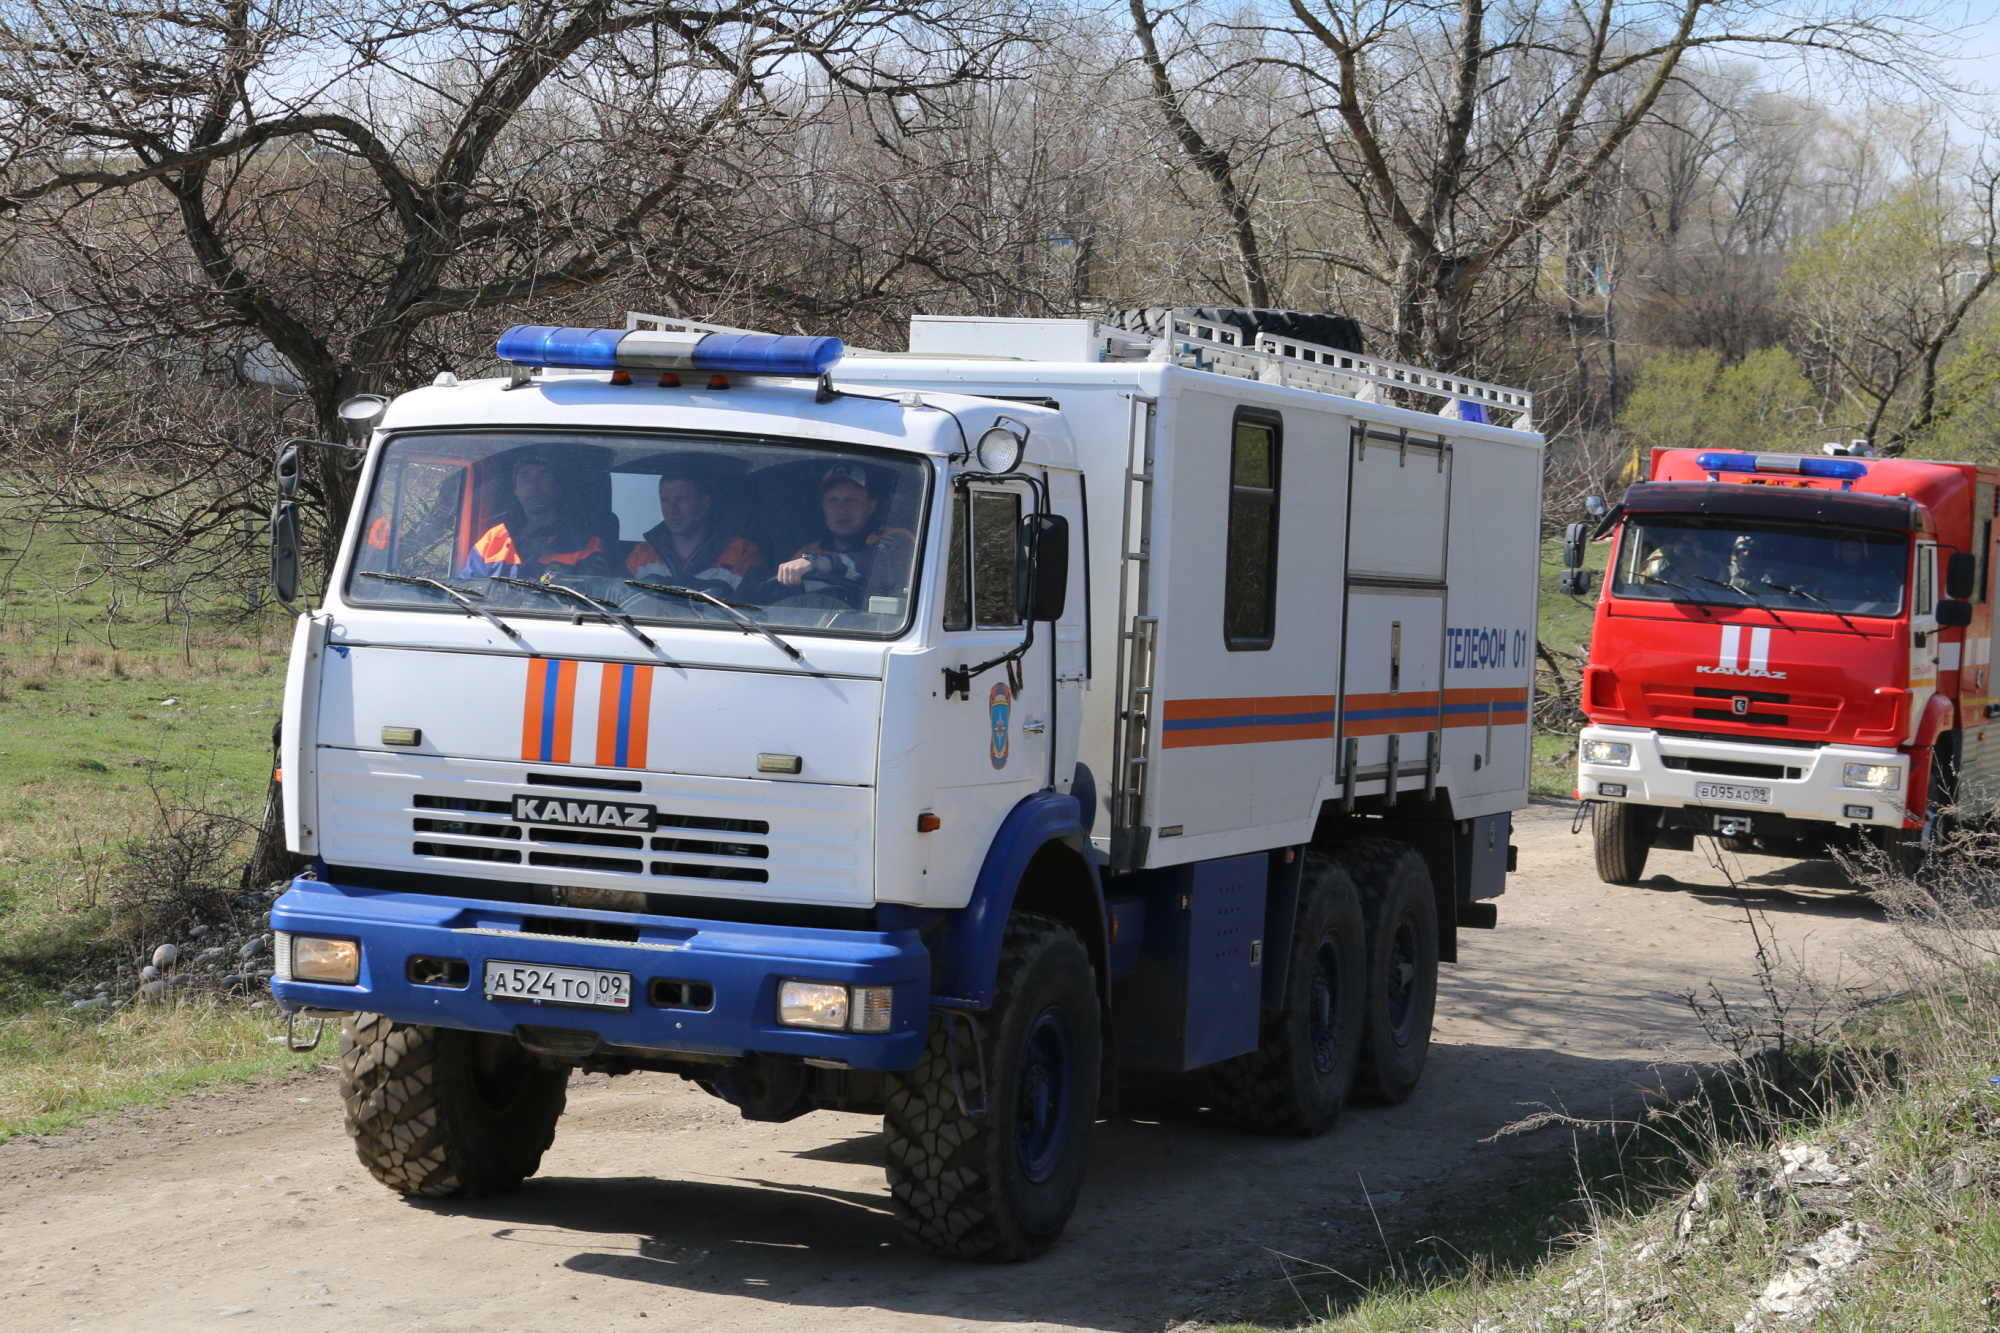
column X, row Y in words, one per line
column 606, row 609
column 1740, row 592
column 1694, row 598
column 1811, row 597
column 728, row 608
column 456, row 595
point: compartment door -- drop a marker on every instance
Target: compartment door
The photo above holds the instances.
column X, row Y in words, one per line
column 1392, row 660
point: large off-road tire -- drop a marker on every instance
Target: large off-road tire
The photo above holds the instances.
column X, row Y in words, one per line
column 1621, row 835
column 436, row 1111
column 1399, row 907
column 999, row 1185
column 1298, row 1079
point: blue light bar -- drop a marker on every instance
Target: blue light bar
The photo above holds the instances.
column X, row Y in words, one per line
column 650, row 349
column 1798, row 465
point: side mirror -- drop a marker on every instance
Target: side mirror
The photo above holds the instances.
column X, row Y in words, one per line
column 1576, row 582
column 1953, row 613
column 286, row 473
column 285, row 550
column 1575, row 537
column 1042, row 579
column 1961, row 575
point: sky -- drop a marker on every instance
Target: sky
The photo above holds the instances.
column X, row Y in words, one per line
column 1981, row 45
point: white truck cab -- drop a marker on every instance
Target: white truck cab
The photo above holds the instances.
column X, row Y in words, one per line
column 933, row 735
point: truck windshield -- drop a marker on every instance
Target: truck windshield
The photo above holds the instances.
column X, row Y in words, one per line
column 1734, row 561
column 793, row 536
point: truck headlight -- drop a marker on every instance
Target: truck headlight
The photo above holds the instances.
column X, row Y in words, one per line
column 315, row 958
column 822, row 1004
column 812, row 1004
column 1607, row 752
column 1872, row 777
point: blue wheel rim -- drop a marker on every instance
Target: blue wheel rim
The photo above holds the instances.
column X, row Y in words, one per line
column 1045, row 1091
column 1403, row 972
column 1323, row 1008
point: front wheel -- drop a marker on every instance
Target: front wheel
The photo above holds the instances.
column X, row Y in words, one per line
column 437, row 1112
column 987, row 1135
column 1622, row 835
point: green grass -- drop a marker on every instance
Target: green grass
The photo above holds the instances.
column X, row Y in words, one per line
column 56, row 1068
column 109, row 703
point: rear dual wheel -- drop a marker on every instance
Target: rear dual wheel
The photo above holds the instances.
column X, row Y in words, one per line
column 1400, row 906
column 1298, row 1079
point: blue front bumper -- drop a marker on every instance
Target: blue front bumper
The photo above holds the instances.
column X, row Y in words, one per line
column 743, row 963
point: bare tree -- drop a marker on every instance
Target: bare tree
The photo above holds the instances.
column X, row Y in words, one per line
column 324, row 181
column 1460, row 127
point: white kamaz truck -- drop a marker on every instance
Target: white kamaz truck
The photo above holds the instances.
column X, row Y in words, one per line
column 939, row 736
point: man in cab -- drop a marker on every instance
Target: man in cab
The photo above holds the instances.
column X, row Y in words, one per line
column 539, row 535
column 686, row 549
column 855, row 556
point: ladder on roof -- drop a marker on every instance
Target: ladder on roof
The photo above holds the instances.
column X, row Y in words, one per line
column 1226, row 350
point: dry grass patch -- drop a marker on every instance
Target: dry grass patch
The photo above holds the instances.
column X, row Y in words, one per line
column 56, row 1067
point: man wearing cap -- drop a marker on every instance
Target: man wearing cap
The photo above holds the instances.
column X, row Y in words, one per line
column 686, row 550
column 537, row 536
column 855, row 556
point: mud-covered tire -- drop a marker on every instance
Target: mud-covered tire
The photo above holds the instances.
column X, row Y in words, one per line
column 1399, row 906
column 437, row 1112
column 1001, row 1185
column 1298, row 1079
column 1621, row 835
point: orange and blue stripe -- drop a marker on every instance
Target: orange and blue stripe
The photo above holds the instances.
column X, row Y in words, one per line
column 1299, row 717
column 624, row 715
column 1294, row 717
column 549, row 712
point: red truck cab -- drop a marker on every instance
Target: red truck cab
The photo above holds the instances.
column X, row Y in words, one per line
column 1788, row 651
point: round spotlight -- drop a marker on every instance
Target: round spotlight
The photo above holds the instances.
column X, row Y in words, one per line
column 360, row 414
column 1000, row 448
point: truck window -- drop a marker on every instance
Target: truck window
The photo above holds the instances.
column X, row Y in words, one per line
column 1735, row 561
column 996, row 525
column 798, row 536
column 1249, row 597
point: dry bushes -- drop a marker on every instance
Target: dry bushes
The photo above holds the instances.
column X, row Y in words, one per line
column 183, row 872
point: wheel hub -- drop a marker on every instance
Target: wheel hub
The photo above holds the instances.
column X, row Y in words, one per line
column 1046, row 1088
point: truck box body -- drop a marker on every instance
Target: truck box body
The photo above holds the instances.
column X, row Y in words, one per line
column 710, row 818
column 1759, row 693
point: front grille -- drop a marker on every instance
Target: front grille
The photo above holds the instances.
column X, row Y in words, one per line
column 1785, row 741
column 588, row 838
column 465, row 830
column 716, row 848
column 1668, row 703
column 743, row 874
column 700, row 848
column 1731, row 768
column 465, row 803
column 460, row 852
column 586, row 784
column 564, row 861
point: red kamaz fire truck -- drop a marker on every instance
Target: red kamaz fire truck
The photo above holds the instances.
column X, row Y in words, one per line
column 1790, row 652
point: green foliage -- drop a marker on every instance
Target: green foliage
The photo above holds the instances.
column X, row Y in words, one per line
column 1692, row 400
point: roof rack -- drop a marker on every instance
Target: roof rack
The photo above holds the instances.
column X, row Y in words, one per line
column 1221, row 348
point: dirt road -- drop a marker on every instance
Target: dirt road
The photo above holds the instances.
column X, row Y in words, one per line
column 659, row 1209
